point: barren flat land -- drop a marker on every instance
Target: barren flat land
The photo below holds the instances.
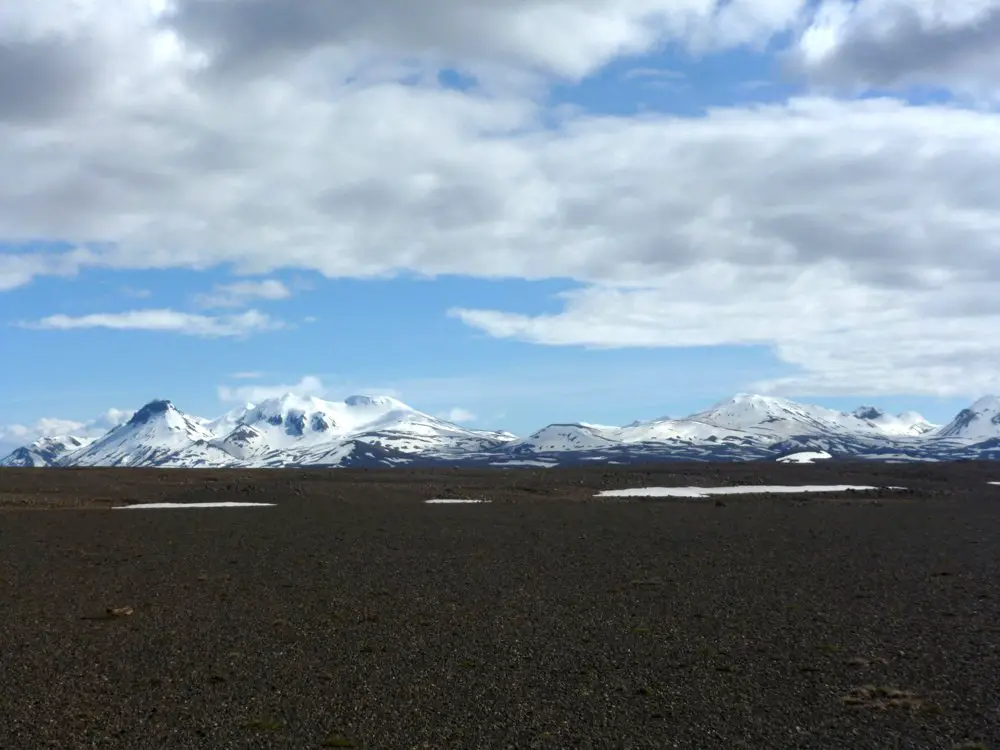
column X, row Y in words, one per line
column 353, row 614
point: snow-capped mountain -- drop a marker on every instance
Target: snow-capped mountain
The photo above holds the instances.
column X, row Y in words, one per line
column 566, row 437
column 311, row 431
column 768, row 416
column 44, row 441
column 906, row 423
column 285, row 431
column 45, row 451
column 382, row 431
column 981, row 421
column 745, row 419
column 154, row 433
column 222, row 426
column 291, row 421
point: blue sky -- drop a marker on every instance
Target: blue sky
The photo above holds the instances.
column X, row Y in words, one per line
column 616, row 217
column 368, row 336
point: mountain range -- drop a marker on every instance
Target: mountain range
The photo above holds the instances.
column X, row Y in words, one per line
column 372, row 431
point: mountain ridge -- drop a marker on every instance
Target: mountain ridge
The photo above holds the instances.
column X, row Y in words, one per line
column 367, row 430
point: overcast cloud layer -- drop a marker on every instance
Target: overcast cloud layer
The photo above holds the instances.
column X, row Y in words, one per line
column 891, row 43
column 856, row 236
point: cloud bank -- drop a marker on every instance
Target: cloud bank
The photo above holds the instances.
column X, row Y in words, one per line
column 854, row 236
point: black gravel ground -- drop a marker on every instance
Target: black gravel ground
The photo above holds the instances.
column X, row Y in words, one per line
column 354, row 615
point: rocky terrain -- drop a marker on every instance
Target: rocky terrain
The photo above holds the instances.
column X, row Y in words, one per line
column 350, row 613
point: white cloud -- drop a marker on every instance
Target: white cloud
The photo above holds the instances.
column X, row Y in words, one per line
column 160, row 169
column 173, row 321
column 44, row 427
column 606, row 198
column 547, row 36
column 679, row 228
column 458, row 415
column 309, row 385
column 842, row 336
column 900, row 43
column 18, row 269
column 247, row 375
column 241, row 293
column 13, row 436
column 902, row 196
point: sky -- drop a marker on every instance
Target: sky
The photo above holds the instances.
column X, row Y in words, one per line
column 508, row 213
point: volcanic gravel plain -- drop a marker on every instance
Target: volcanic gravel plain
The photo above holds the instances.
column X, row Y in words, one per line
column 353, row 614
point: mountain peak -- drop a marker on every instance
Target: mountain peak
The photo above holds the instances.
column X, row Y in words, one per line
column 987, row 403
column 151, row 411
column 383, row 402
column 750, row 403
column 45, row 451
column 754, row 398
column 293, row 421
column 155, row 432
column 756, row 402
column 981, row 421
column 299, row 430
column 773, row 415
column 293, row 401
column 285, row 402
column 868, row 412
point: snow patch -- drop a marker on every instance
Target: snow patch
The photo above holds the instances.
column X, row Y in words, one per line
column 452, row 501
column 536, row 464
column 753, row 489
column 805, row 457
column 165, row 506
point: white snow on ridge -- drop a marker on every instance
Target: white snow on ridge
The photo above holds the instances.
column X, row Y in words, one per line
column 772, row 416
column 755, row 489
column 45, row 451
column 587, row 437
column 686, row 430
column 383, row 431
column 290, row 430
column 568, row 437
column 295, row 421
column 158, row 430
column 908, row 423
column 753, row 419
column 981, row 421
column 222, row 426
column 311, row 428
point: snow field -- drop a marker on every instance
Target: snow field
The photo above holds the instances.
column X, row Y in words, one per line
column 753, row 489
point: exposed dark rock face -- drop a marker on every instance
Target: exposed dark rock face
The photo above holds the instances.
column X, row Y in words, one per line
column 150, row 411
